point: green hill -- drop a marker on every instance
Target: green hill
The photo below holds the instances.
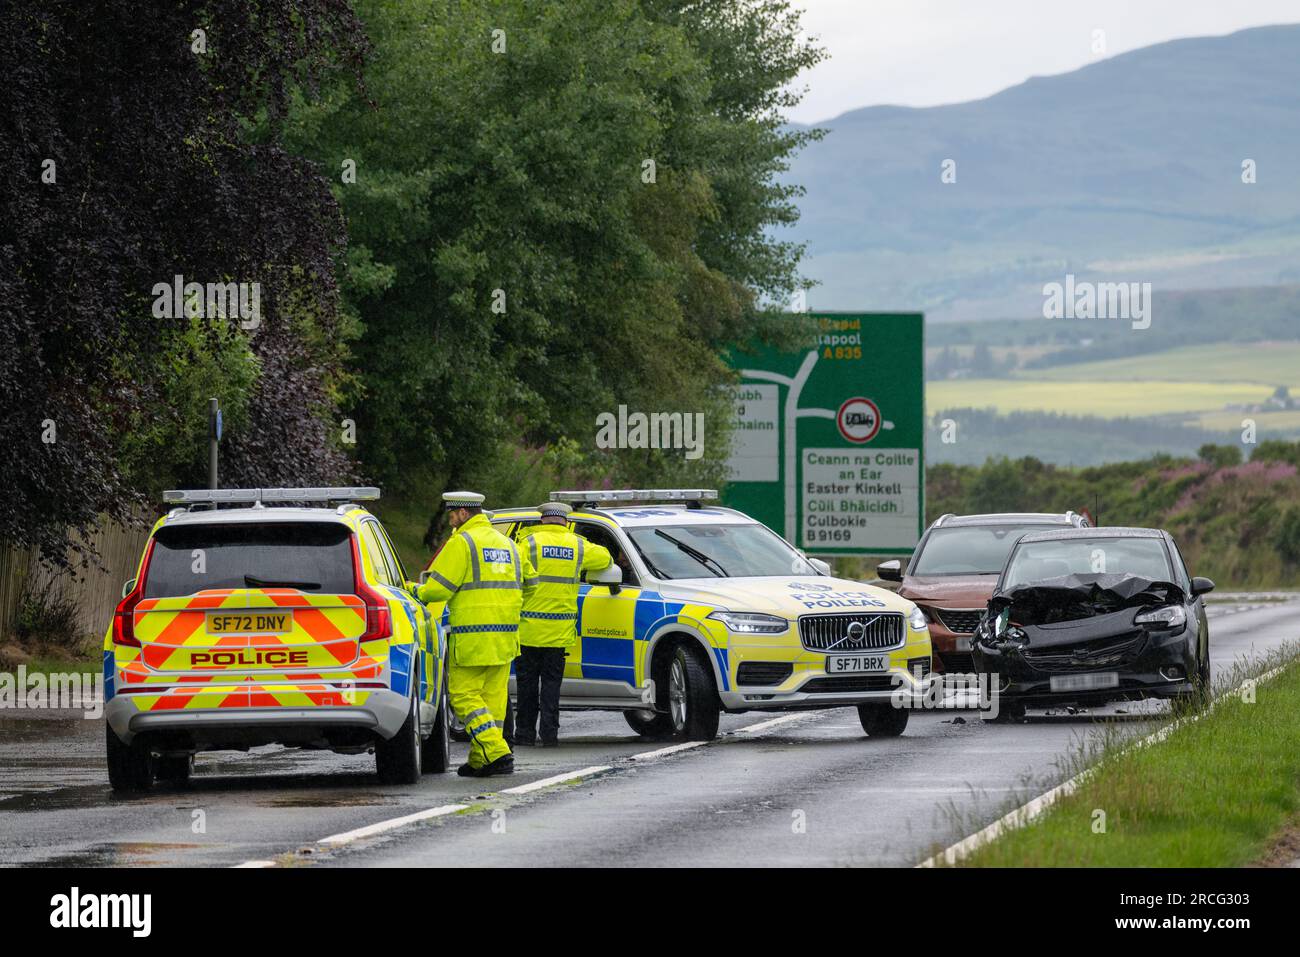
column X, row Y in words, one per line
column 1127, row 169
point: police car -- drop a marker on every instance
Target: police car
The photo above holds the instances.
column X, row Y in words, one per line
column 256, row 625
column 706, row 610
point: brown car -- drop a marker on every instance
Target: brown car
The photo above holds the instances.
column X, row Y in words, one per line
column 954, row 569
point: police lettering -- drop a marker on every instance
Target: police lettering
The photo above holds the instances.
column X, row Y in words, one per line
column 557, row 551
column 496, row 554
column 247, row 656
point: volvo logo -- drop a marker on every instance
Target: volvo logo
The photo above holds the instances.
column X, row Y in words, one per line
column 855, row 632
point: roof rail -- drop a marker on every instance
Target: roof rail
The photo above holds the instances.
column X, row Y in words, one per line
column 940, row 520
column 691, row 496
column 257, row 496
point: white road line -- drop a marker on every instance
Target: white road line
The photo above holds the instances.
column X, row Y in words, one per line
column 338, row 840
column 251, row 864
column 671, row 749
column 347, row 837
column 1032, row 809
column 771, row 723
column 557, row 779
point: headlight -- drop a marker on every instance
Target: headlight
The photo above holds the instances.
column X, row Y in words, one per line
column 916, row 618
column 744, row 623
column 1171, row 616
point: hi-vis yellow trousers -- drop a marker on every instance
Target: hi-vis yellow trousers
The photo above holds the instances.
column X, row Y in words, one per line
column 480, row 695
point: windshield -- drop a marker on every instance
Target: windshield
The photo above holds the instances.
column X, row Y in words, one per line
column 716, row 551
column 1035, row 561
column 310, row 556
column 968, row 549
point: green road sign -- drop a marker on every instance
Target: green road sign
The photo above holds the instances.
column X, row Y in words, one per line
column 829, row 442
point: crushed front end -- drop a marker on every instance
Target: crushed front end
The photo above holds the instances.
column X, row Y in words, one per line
column 1088, row 640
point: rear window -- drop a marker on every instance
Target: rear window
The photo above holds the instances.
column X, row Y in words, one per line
column 968, row 549
column 311, row 556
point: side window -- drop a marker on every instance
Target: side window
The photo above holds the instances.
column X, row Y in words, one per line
column 599, row 535
column 516, row 532
column 390, row 553
column 1180, row 569
column 376, row 552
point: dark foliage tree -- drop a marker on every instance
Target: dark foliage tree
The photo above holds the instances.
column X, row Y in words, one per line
column 135, row 149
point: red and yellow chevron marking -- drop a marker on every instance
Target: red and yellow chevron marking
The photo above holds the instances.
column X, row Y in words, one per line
column 174, row 633
column 279, row 695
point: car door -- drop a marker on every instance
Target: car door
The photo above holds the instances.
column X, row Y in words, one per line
column 1197, row 604
column 403, row 607
column 605, row 663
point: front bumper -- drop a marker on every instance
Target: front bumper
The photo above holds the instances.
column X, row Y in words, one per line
column 831, row 691
column 1164, row 668
column 380, row 711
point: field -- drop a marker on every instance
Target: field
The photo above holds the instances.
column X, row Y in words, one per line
column 1267, row 363
column 1193, row 385
column 1106, row 398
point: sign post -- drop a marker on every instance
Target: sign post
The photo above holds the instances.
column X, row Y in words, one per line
column 214, row 436
column 830, row 442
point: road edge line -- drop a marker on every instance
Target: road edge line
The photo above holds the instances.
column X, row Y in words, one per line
column 557, row 779
column 379, row 827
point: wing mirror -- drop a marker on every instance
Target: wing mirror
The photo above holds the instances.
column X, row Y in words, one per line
column 823, row 568
column 611, row 576
column 1201, row 586
column 128, row 586
column 890, row 571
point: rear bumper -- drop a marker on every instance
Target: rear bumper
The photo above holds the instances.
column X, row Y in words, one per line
column 381, row 712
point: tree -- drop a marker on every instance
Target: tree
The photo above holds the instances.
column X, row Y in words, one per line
column 139, row 144
column 556, row 210
column 1220, row 456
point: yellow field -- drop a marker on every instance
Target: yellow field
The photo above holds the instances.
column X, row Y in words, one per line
column 1267, row 363
column 1105, row 398
column 1264, row 421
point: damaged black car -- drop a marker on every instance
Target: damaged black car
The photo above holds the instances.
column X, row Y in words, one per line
column 1086, row 616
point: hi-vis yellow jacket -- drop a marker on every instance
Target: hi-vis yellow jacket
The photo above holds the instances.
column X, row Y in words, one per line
column 480, row 574
column 558, row 556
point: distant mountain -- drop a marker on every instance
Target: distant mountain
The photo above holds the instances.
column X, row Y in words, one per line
column 1129, row 169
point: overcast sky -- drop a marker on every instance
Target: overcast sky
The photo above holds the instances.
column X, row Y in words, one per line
column 926, row 52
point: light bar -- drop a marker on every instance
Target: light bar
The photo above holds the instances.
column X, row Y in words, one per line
column 234, row 496
column 638, row 495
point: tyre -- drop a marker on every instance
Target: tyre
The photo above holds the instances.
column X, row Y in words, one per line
column 130, row 766
column 882, row 719
column 174, row 769
column 436, row 758
column 1204, row 676
column 693, row 706
column 398, row 759
column 649, row 724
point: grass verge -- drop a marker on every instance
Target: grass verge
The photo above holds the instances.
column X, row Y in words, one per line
column 1214, row 793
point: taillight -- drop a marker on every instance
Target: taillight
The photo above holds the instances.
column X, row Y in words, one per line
column 124, row 615
column 379, row 620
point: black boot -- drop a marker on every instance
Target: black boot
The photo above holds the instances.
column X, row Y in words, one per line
column 502, row 765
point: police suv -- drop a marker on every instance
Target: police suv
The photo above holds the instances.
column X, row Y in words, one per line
column 706, row 610
column 290, row 624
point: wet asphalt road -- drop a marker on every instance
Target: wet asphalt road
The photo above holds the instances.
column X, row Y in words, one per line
column 809, row 790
